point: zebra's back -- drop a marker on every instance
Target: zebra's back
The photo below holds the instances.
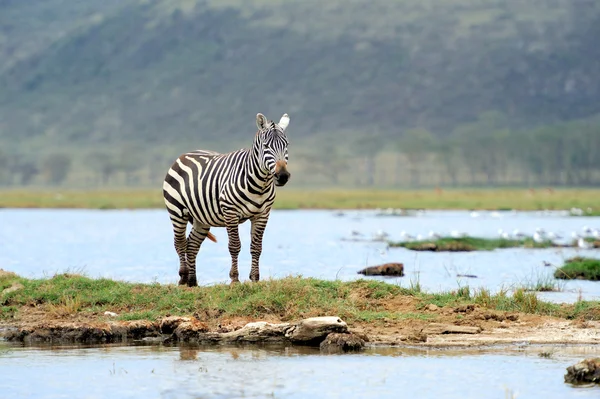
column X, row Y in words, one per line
column 192, row 187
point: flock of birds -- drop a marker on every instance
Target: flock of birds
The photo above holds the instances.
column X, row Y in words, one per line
column 540, row 235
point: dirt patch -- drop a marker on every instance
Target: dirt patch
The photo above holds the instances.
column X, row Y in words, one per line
column 467, row 325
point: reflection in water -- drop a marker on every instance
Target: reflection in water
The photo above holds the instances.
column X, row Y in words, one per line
column 137, row 246
column 290, row 372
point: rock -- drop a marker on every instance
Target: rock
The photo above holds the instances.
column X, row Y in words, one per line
column 169, row 324
column 191, row 331
column 387, row 269
column 14, row 287
column 111, row 314
column 260, row 331
column 432, row 307
column 584, row 372
column 342, row 342
column 437, row 328
column 138, row 329
column 315, row 329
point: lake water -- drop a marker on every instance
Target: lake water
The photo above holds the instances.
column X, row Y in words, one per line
column 136, row 245
column 237, row 372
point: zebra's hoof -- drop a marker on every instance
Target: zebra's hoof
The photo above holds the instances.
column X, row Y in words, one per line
column 183, row 280
column 192, row 282
column 234, row 282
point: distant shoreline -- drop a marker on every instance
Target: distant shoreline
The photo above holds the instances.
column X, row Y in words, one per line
column 586, row 201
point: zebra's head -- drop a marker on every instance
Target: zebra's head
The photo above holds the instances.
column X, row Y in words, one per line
column 273, row 147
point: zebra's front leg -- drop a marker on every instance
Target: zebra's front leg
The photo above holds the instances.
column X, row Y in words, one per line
column 234, row 248
column 194, row 241
column 258, row 228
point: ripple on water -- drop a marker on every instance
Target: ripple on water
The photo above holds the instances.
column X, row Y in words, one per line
column 188, row 372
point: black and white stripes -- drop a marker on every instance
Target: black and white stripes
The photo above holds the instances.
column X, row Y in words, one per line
column 208, row 189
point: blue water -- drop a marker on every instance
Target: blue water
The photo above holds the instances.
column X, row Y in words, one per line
column 184, row 372
column 136, row 245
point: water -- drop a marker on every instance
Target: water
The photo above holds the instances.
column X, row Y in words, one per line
column 234, row 372
column 136, row 245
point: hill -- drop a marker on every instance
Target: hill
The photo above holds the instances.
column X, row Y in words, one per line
column 191, row 73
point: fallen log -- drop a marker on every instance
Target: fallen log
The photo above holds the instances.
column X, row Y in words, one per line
column 387, row 269
column 311, row 331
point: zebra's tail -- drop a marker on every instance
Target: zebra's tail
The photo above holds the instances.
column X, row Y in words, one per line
column 211, row 237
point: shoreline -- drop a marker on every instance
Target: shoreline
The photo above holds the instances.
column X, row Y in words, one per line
column 548, row 332
column 70, row 308
column 579, row 202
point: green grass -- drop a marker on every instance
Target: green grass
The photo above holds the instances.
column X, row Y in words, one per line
column 579, row 268
column 289, row 198
column 469, row 244
column 287, row 299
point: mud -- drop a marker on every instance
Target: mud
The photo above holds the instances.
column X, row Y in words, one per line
column 432, row 326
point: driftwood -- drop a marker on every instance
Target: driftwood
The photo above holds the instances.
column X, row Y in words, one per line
column 585, row 372
column 342, row 342
column 387, row 269
column 311, row 331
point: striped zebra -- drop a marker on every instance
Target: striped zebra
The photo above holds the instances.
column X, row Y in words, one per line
column 208, row 189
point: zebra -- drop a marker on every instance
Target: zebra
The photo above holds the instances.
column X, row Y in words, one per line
column 208, row 189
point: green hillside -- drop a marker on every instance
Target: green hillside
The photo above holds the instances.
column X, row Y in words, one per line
column 169, row 75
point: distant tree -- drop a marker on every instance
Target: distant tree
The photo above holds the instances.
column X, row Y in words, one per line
column 26, row 170
column 4, row 175
column 104, row 164
column 327, row 159
column 367, row 148
column 449, row 158
column 56, row 167
column 415, row 144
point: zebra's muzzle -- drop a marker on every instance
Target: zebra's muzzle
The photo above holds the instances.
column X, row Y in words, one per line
column 281, row 174
column 282, row 178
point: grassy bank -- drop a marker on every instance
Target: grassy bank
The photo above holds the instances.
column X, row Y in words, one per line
column 285, row 299
column 290, row 198
column 469, row 244
column 579, row 268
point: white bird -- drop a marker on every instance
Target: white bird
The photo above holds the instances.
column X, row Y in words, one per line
column 583, row 244
column 457, row 234
column 406, row 237
column 576, row 211
column 380, row 235
column 434, row 235
column 537, row 237
column 553, row 236
column 503, row 234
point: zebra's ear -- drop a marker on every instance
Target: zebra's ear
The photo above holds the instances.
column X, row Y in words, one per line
column 284, row 121
column 261, row 121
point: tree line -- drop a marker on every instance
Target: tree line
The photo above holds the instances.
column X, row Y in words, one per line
column 481, row 153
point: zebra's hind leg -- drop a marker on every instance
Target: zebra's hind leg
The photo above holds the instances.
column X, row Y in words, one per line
column 194, row 241
column 179, row 227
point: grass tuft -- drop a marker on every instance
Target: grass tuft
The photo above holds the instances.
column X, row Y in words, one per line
column 287, row 299
column 466, row 244
column 579, row 268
